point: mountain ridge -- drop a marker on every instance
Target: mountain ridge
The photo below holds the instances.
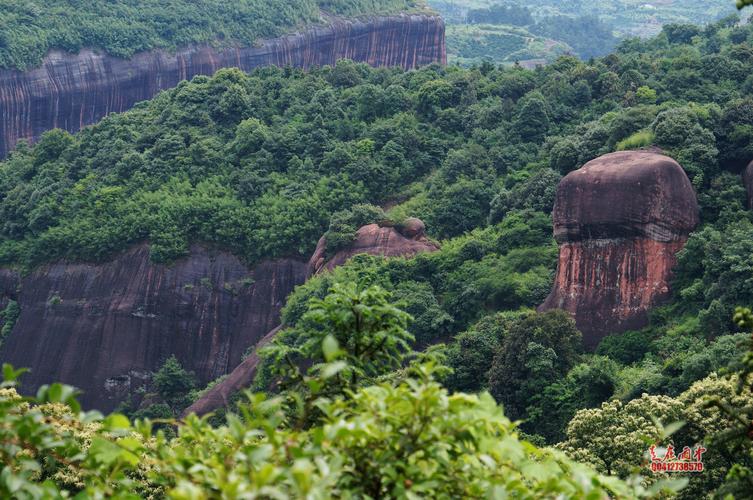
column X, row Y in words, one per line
column 71, row 91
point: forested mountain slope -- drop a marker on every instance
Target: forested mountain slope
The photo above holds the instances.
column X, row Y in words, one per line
column 261, row 165
column 31, row 29
column 71, row 63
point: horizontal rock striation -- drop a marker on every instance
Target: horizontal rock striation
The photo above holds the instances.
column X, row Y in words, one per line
column 619, row 221
column 70, row 91
column 372, row 239
column 104, row 327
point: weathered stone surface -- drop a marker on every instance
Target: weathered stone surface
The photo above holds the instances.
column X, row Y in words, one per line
column 619, row 220
column 624, row 195
column 375, row 240
column 413, row 227
column 242, row 376
column 748, row 181
column 104, row 327
column 70, row 91
column 371, row 239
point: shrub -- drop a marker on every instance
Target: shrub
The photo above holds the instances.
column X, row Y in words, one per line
column 640, row 139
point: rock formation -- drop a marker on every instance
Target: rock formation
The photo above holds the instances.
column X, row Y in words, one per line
column 619, row 221
column 104, row 327
column 407, row 240
column 748, row 181
column 70, row 91
column 371, row 239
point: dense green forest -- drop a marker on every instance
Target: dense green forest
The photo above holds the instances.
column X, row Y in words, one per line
column 264, row 164
column 28, row 30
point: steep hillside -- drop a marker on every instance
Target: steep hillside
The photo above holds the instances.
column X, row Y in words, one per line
column 564, row 247
column 71, row 74
column 122, row 29
column 257, row 167
column 406, row 241
column 108, row 326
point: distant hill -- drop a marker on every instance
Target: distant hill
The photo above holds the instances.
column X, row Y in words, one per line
column 512, row 30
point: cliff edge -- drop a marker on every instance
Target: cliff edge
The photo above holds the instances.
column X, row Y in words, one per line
column 71, row 91
column 619, row 221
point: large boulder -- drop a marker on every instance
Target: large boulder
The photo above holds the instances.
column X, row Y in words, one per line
column 405, row 240
column 619, row 221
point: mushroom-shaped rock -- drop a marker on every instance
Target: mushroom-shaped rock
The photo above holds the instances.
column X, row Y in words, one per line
column 619, row 221
column 748, row 181
column 374, row 239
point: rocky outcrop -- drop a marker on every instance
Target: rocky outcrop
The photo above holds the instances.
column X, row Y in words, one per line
column 748, row 181
column 404, row 241
column 372, row 239
column 619, row 221
column 242, row 376
column 70, row 91
column 104, row 327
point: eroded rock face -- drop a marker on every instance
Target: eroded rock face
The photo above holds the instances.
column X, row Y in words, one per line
column 619, row 221
column 748, row 181
column 371, row 239
column 71, row 91
column 104, row 327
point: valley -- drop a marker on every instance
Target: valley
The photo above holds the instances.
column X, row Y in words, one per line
column 513, row 31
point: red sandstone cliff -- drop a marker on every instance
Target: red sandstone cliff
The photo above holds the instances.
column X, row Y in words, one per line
column 71, row 91
column 372, row 239
column 619, row 221
column 102, row 328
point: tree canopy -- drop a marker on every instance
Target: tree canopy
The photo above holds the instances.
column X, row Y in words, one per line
column 28, row 30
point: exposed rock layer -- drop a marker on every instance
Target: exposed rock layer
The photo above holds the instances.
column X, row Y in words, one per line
column 371, row 239
column 102, row 328
column 619, row 220
column 70, row 91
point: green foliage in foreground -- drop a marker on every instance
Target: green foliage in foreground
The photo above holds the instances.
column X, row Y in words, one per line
column 386, row 440
column 28, row 30
column 404, row 437
column 716, row 412
column 614, row 436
